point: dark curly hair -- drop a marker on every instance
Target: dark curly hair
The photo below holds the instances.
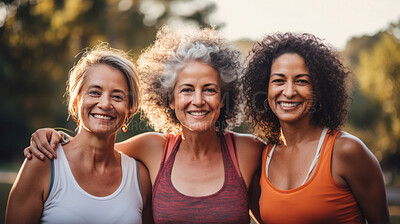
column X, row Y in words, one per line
column 329, row 79
column 160, row 64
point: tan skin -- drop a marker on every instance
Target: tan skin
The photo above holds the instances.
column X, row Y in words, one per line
column 353, row 165
column 198, row 164
column 91, row 156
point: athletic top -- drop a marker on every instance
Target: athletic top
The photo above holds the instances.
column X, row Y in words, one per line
column 69, row 203
column 228, row 205
column 319, row 200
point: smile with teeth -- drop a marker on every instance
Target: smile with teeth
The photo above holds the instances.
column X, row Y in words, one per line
column 104, row 117
column 198, row 113
column 285, row 104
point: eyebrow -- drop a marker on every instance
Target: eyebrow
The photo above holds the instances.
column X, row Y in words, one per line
column 297, row 76
column 114, row 90
column 190, row 85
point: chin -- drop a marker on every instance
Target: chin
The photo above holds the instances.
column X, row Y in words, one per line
column 200, row 128
column 102, row 131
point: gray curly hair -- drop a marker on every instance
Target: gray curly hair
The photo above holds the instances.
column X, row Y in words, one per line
column 160, row 64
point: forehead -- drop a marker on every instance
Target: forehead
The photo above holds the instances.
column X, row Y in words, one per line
column 289, row 61
column 105, row 76
column 198, row 73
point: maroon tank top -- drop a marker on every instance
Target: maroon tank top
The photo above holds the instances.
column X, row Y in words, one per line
column 228, row 205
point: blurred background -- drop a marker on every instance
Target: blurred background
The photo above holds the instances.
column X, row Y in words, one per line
column 40, row 41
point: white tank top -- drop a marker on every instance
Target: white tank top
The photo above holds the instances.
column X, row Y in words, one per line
column 69, row 203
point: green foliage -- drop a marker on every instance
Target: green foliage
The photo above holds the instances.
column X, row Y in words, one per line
column 375, row 111
column 39, row 43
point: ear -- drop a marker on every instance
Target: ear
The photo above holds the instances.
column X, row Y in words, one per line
column 130, row 113
column 172, row 104
column 222, row 104
column 75, row 105
column 171, row 101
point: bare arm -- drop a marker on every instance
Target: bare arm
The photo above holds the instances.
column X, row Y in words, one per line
column 254, row 197
column 249, row 150
column 137, row 146
column 44, row 143
column 147, row 213
column 29, row 192
column 358, row 168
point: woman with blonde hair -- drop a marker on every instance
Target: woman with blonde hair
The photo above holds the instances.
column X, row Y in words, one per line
column 89, row 182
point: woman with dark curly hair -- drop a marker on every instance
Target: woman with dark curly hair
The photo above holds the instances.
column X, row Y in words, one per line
column 312, row 172
column 191, row 93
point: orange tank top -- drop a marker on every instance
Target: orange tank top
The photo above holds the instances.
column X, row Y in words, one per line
column 319, row 200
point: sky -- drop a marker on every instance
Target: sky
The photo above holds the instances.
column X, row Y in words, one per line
column 336, row 21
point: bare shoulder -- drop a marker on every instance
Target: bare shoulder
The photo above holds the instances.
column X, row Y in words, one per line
column 351, row 158
column 348, row 147
column 36, row 166
column 248, row 142
column 34, row 175
column 29, row 192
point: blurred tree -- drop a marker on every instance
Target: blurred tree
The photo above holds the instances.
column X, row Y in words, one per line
column 39, row 42
column 375, row 111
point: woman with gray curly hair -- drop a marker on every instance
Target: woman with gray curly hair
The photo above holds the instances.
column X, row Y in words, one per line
column 191, row 93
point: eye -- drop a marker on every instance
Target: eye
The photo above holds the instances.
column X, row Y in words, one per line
column 277, row 81
column 186, row 90
column 210, row 90
column 118, row 97
column 94, row 93
column 303, row 81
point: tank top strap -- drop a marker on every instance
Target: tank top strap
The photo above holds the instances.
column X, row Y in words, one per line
column 231, row 146
column 265, row 154
column 170, row 145
column 328, row 146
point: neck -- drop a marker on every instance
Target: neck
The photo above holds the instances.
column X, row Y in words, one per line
column 99, row 150
column 200, row 143
column 293, row 134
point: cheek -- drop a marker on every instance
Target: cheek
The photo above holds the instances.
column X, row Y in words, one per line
column 181, row 101
column 271, row 93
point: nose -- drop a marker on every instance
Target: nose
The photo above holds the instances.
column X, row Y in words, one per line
column 105, row 102
column 289, row 90
column 198, row 98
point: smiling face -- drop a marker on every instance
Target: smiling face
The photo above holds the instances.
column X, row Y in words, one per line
column 197, row 97
column 290, row 92
column 103, row 100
